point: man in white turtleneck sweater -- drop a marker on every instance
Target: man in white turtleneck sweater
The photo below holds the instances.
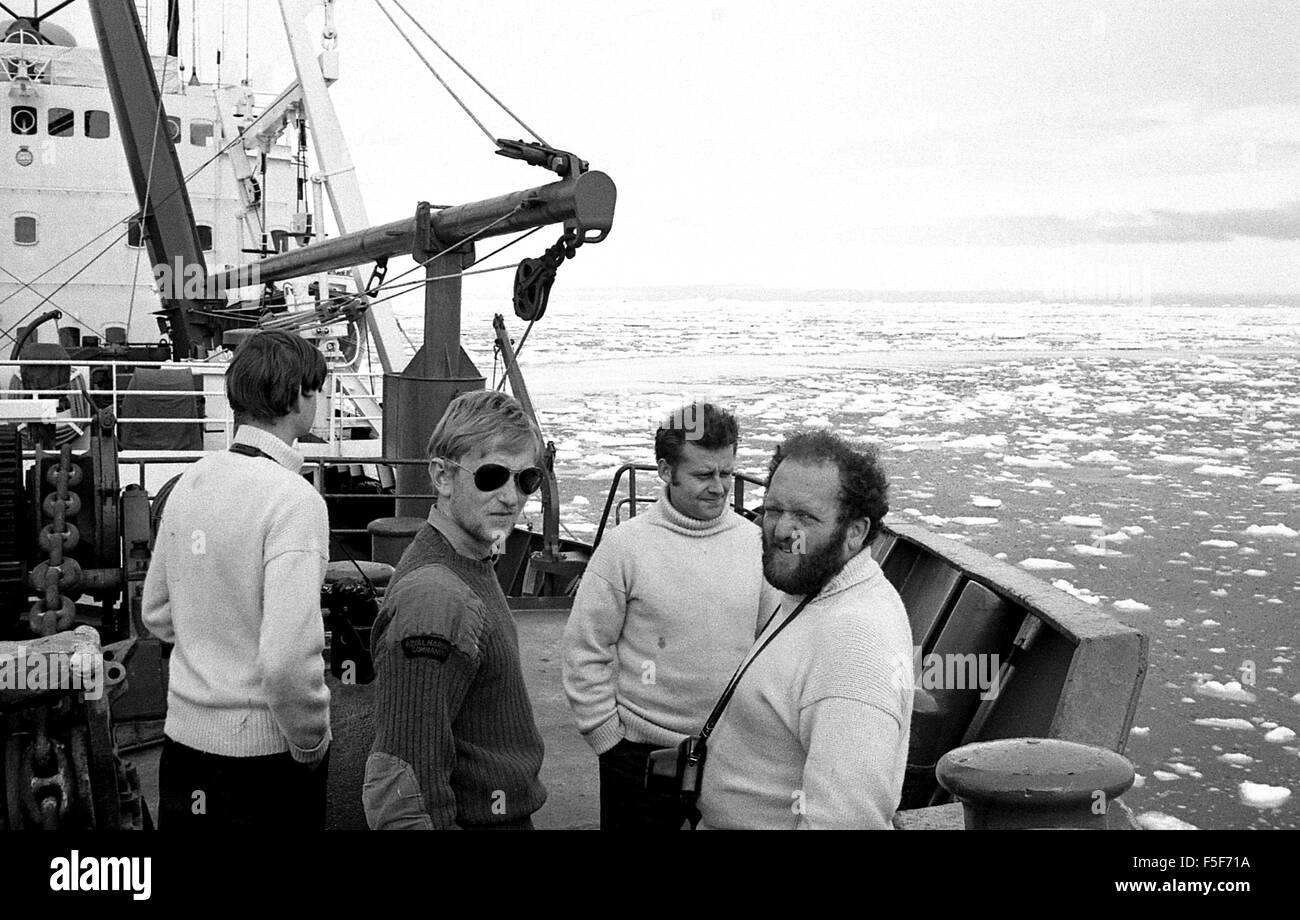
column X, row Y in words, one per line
column 666, row 611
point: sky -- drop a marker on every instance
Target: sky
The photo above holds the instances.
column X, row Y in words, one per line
column 1078, row 148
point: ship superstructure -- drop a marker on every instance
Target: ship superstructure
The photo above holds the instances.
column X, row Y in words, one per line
column 68, row 240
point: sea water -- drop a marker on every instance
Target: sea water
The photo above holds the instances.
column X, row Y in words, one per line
column 1142, row 457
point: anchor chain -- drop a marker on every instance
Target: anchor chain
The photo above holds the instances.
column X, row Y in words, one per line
column 39, row 778
column 534, row 277
column 54, row 611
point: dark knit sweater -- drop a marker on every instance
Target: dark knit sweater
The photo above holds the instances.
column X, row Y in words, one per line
column 450, row 698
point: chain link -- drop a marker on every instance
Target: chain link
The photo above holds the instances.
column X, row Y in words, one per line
column 54, row 612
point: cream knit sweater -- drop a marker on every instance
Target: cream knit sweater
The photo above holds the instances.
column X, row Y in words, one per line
column 816, row 733
column 235, row 585
column 666, row 610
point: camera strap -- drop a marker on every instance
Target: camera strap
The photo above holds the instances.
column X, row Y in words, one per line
column 740, row 672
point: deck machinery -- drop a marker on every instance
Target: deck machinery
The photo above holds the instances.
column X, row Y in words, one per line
column 74, row 544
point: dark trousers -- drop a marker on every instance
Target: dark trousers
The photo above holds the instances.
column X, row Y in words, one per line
column 200, row 791
column 625, row 805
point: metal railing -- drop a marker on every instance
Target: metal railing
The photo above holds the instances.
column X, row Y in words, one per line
column 631, row 501
column 317, row 465
column 81, row 372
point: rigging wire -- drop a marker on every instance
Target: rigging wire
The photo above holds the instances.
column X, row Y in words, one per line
column 222, row 45
column 111, row 244
column 29, row 287
column 148, row 187
column 194, row 39
column 116, row 224
column 518, row 350
column 435, row 73
column 247, row 39
column 308, row 318
column 463, row 70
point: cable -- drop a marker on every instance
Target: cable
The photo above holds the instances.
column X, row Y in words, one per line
column 312, row 317
column 8, row 332
column 194, row 38
column 518, row 351
column 65, row 284
column 148, row 187
column 221, row 47
column 436, row 75
column 487, row 91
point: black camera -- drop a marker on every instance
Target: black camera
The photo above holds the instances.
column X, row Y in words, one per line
column 677, row 771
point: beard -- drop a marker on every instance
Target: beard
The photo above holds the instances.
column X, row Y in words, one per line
column 814, row 569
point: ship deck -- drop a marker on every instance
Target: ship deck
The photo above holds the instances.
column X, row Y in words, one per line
column 569, row 769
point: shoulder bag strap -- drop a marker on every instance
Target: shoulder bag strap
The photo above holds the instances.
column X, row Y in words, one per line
column 740, row 672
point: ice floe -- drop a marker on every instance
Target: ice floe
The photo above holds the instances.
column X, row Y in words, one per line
column 1082, row 594
column 1237, row 759
column 1084, row 549
column 1037, row 463
column 1164, row 776
column 1220, row 544
column 1045, row 565
column 1130, row 605
column 983, row 501
column 1271, row 530
column 1077, row 520
column 1235, row 724
column 979, row 442
column 1100, row 456
column 1211, row 469
column 1280, row 735
column 1139, row 731
column 1262, row 795
column 1159, row 821
column 1232, row 691
column 973, row 521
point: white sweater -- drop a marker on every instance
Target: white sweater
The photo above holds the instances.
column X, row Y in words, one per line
column 667, row 609
column 816, row 733
column 235, row 584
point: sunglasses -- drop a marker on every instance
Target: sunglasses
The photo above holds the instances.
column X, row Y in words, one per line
column 491, row 476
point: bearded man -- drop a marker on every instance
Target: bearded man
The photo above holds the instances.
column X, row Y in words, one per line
column 816, row 734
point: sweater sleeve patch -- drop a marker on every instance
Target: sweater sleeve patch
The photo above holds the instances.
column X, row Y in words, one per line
column 434, row 613
column 391, row 795
column 435, row 647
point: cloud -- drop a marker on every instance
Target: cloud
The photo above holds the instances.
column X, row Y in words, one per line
column 1155, row 226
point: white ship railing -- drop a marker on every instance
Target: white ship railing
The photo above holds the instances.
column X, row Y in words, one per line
column 342, row 406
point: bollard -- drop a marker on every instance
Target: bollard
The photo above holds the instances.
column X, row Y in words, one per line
column 1034, row 783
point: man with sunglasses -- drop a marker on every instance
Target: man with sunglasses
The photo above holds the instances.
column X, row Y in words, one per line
column 456, row 744
column 667, row 608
